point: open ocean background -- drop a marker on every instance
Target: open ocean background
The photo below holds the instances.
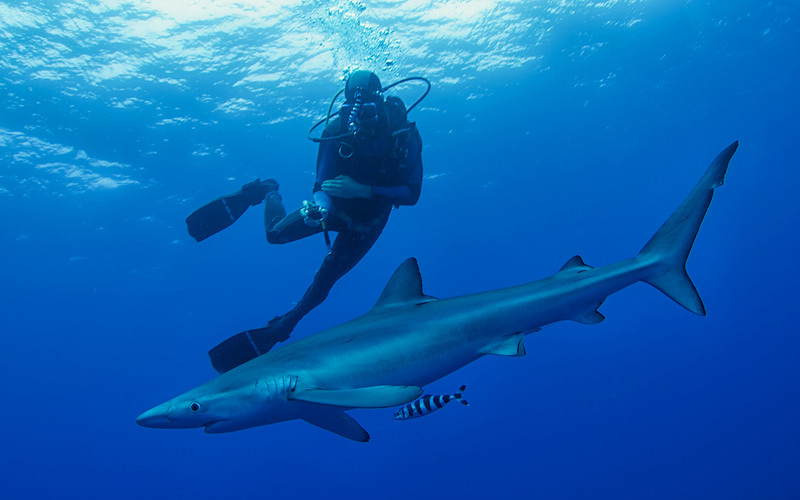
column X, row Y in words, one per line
column 554, row 128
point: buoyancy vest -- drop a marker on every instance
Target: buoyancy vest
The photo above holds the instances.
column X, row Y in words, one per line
column 381, row 160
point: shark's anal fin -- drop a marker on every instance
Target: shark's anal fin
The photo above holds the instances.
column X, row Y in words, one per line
column 590, row 316
column 338, row 422
column 379, row 396
column 508, row 346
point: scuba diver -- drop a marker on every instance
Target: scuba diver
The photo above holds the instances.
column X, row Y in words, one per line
column 369, row 161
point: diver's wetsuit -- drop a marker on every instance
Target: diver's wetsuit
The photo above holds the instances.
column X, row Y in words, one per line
column 391, row 163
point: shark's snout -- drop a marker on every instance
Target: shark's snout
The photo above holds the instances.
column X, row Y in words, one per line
column 171, row 416
column 154, row 419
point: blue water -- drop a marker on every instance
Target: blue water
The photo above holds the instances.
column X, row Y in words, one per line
column 553, row 128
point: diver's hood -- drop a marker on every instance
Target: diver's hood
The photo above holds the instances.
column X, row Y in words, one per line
column 364, row 86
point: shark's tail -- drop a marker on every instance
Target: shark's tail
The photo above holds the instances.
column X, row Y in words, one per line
column 668, row 249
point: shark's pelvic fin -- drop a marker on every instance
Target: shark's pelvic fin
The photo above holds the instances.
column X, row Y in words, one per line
column 338, row 422
column 404, row 287
column 508, row 346
column 669, row 248
column 379, row 396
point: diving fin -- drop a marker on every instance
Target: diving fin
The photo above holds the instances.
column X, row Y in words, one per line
column 216, row 215
column 245, row 346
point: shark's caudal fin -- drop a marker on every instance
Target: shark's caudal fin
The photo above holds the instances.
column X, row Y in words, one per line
column 669, row 248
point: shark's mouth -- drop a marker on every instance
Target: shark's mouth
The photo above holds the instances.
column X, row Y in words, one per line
column 232, row 424
column 215, row 426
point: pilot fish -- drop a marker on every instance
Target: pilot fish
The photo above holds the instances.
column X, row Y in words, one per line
column 428, row 404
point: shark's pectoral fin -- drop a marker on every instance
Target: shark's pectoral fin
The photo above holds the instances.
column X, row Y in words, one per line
column 338, row 422
column 508, row 346
column 379, row 396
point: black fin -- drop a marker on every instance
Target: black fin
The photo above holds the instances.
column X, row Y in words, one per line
column 245, row 346
column 216, row 215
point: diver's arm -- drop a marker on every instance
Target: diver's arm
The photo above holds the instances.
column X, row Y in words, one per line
column 342, row 186
column 326, row 170
column 326, row 163
column 404, row 194
column 346, row 187
column 322, row 199
column 408, row 193
column 329, row 182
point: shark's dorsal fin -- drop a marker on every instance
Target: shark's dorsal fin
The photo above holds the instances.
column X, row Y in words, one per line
column 575, row 264
column 379, row 396
column 404, row 287
column 337, row 421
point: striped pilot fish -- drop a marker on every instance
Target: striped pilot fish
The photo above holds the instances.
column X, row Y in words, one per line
column 428, row 404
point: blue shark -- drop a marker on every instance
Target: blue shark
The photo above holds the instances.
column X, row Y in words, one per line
column 408, row 339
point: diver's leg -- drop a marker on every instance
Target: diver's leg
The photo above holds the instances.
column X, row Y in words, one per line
column 282, row 228
column 347, row 250
column 249, row 344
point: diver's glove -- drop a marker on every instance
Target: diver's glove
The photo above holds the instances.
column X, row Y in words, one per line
column 313, row 215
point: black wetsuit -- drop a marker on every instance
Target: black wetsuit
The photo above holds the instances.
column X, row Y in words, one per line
column 391, row 163
column 392, row 166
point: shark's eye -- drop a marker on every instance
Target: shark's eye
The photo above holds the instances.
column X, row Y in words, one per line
column 194, row 407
